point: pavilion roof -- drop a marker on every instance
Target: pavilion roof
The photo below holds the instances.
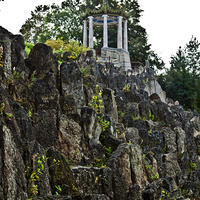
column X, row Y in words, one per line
column 106, row 10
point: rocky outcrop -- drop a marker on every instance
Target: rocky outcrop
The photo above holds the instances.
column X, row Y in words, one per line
column 70, row 138
column 90, row 131
column 71, row 89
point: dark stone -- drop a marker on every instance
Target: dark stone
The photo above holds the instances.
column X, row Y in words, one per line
column 132, row 135
column 46, row 94
column 71, row 89
column 108, row 140
column 125, row 170
column 154, row 97
column 134, row 193
column 121, row 81
column 148, row 194
column 157, row 138
column 134, row 97
column 60, row 171
column 14, row 52
column 93, row 181
column 41, row 60
column 145, row 109
column 90, row 53
column 24, row 123
column 33, row 152
column 45, row 125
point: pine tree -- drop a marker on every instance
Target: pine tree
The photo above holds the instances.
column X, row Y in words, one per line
column 193, row 61
column 181, row 81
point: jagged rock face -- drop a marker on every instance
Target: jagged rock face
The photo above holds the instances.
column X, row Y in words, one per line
column 41, row 61
column 36, row 152
column 13, row 177
column 71, row 88
column 94, row 181
column 3, row 80
column 13, row 52
column 61, row 174
column 127, row 168
column 110, row 103
column 70, row 138
column 170, row 140
column 132, row 135
column 47, row 123
column 24, row 123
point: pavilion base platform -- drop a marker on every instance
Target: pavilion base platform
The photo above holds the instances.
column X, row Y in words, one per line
column 119, row 57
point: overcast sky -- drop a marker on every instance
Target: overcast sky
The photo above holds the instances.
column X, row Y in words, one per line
column 169, row 23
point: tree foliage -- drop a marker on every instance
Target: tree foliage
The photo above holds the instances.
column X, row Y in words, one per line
column 182, row 81
column 53, row 22
column 60, row 45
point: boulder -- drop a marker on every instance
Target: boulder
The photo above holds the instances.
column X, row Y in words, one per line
column 41, row 60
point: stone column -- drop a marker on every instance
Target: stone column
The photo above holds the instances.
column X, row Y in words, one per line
column 119, row 35
column 90, row 32
column 85, row 33
column 105, row 31
column 125, row 36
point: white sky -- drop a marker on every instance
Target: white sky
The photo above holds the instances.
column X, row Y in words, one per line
column 169, row 23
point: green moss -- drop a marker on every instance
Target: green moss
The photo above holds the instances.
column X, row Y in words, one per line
column 193, row 166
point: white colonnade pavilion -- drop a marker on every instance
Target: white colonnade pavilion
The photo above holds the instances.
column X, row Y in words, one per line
column 106, row 17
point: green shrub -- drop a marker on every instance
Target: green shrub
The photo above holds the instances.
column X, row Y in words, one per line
column 126, row 88
column 60, row 45
column 28, row 47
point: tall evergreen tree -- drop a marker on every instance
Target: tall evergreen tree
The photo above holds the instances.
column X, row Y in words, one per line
column 193, row 61
column 182, row 81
